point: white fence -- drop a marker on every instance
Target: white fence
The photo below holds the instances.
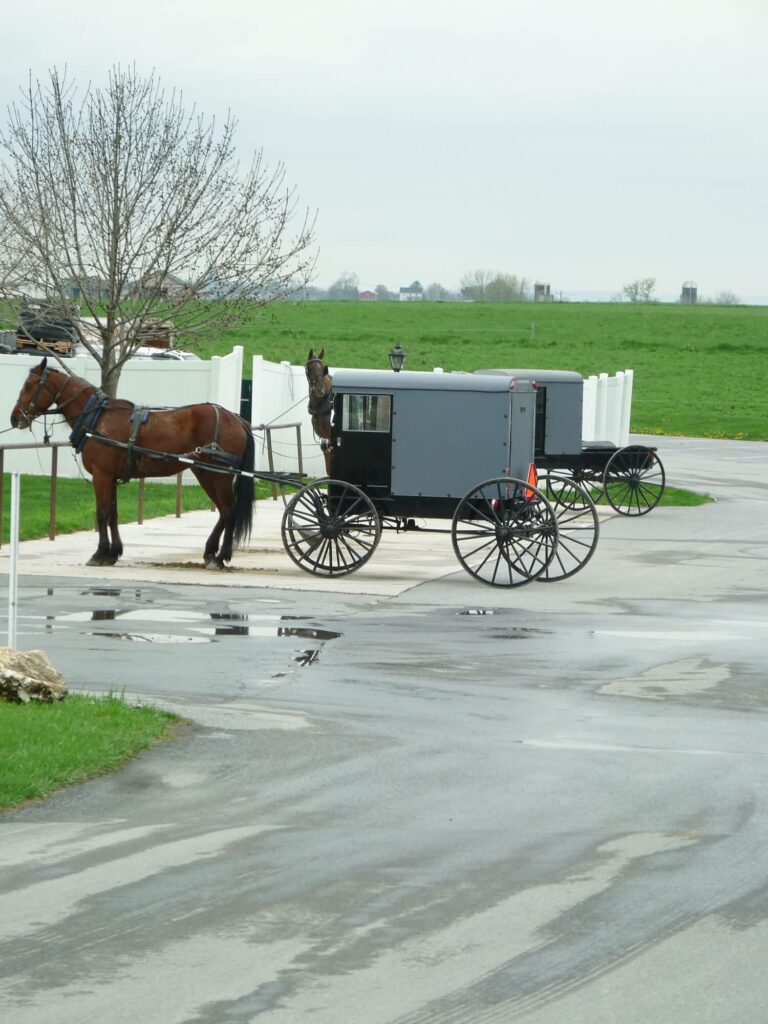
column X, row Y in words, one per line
column 606, row 408
column 144, row 381
column 279, row 399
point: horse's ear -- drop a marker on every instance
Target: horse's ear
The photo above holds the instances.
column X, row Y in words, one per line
column 311, row 355
column 43, row 364
column 321, row 353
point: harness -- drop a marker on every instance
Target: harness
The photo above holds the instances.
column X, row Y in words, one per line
column 324, row 407
column 86, row 424
column 87, row 420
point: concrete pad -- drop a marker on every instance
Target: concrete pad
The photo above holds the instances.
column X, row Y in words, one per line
column 169, row 550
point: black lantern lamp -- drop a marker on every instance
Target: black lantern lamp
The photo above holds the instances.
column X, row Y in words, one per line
column 396, row 358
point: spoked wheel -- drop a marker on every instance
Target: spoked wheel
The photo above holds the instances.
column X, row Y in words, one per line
column 330, row 528
column 578, row 527
column 504, row 532
column 591, row 480
column 634, row 480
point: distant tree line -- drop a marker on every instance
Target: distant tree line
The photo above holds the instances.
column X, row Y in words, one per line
column 475, row 286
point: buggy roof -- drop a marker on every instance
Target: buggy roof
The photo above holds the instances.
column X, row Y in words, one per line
column 542, row 376
column 416, row 380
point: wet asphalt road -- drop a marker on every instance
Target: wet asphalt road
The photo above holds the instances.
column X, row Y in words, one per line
column 456, row 805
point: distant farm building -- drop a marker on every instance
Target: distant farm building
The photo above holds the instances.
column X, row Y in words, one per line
column 368, row 296
column 413, row 293
column 541, row 292
column 689, row 294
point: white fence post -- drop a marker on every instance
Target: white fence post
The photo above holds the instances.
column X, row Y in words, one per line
column 626, row 407
column 589, row 409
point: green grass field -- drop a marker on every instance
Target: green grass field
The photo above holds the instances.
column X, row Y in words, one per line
column 699, row 370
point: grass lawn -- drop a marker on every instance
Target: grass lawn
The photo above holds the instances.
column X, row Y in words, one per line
column 47, row 746
column 76, row 505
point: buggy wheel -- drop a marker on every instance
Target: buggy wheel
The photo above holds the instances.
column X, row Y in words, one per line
column 578, row 527
column 591, row 480
column 634, row 480
column 504, row 532
column 330, row 528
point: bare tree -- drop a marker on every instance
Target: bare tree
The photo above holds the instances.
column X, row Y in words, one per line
column 345, row 287
column 640, row 290
column 435, row 292
column 474, row 283
column 137, row 208
column 727, row 298
column 507, row 288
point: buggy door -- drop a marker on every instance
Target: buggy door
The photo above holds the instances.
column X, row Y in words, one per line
column 362, row 441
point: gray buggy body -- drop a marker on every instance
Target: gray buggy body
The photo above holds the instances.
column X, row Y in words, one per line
column 416, row 442
column 559, row 399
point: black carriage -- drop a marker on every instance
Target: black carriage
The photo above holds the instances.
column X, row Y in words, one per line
column 411, row 449
column 631, row 478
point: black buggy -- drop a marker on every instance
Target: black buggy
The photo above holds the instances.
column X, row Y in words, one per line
column 630, row 478
column 411, row 449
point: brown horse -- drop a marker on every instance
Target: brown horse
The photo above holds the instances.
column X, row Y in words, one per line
column 130, row 441
column 320, row 402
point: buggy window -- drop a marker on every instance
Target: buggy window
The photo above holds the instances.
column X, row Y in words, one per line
column 367, row 412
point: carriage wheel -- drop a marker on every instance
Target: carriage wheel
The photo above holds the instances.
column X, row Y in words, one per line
column 330, row 528
column 591, row 480
column 504, row 532
column 634, row 480
column 578, row 527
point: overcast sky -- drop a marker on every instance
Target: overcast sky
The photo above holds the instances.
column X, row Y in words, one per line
column 585, row 144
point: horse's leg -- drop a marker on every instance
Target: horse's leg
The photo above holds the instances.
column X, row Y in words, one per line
column 116, row 548
column 208, row 482
column 226, row 506
column 103, row 487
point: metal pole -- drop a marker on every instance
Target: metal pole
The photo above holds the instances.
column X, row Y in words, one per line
column 2, row 459
column 54, row 489
column 13, row 577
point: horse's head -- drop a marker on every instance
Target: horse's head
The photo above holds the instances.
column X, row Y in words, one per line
column 317, row 375
column 41, row 390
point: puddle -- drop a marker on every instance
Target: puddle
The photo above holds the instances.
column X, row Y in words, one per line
column 197, row 627
column 477, row 611
column 152, row 638
column 224, row 623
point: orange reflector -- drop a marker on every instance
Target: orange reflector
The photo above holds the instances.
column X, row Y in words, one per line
column 533, row 481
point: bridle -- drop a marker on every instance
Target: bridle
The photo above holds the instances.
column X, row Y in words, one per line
column 319, row 393
column 29, row 412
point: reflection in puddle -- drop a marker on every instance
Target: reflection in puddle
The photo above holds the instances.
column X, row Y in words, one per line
column 152, row 638
column 308, row 657
column 226, row 624
column 477, row 611
column 196, row 627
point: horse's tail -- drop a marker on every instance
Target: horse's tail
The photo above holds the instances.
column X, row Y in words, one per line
column 244, row 492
